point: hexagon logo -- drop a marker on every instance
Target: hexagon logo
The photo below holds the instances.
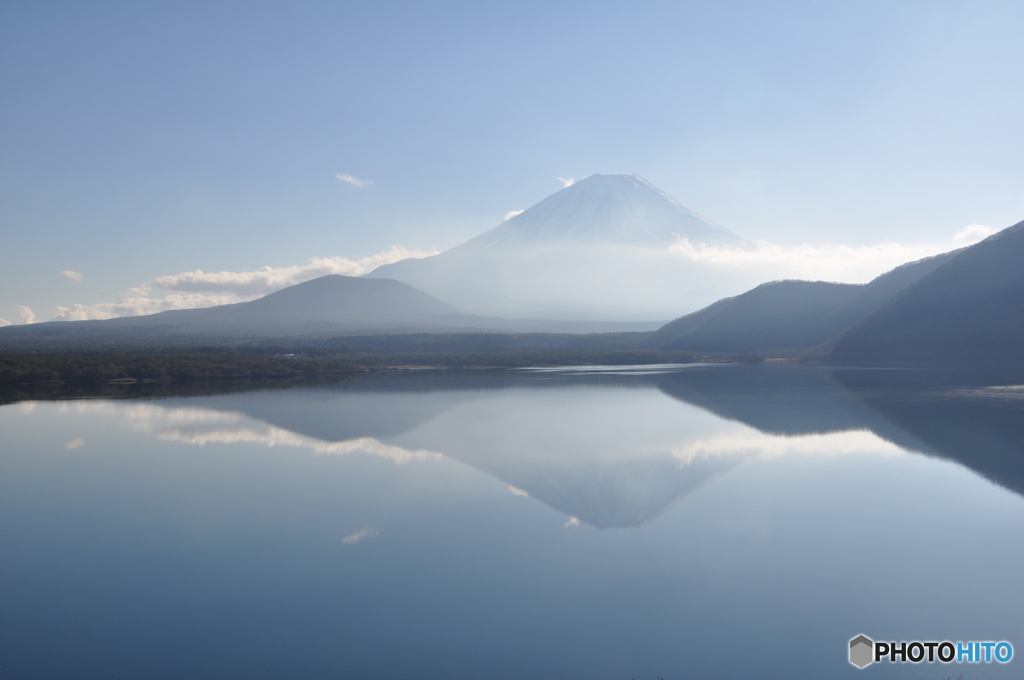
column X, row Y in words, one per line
column 862, row 651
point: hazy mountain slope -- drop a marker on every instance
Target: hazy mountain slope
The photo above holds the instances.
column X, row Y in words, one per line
column 330, row 306
column 969, row 310
column 602, row 241
column 328, row 303
column 873, row 294
column 338, row 299
column 329, row 299
column 787, row 314
column 781, row 314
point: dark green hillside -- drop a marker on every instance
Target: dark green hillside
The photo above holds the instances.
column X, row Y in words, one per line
column 781, row 314
column 970, row 310
column 786, row 315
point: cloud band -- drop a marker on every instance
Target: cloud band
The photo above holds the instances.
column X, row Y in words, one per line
column 195, row 289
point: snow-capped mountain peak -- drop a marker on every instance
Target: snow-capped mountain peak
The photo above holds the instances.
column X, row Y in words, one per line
column 619, row 209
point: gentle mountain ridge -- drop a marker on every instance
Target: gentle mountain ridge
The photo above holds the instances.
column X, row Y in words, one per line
column 331, row 302
column 787, row 315
column 329, row 306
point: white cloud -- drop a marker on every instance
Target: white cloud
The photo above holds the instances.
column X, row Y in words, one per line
column 4, row 322
column 971, row 234
column 757, row 445
column 566, row 181
column 136, row 305
column 199, row 427
column 572, row 522
column 828, row 262
column 516, row 491
column 195, row 289
column 269, row 279
column 71, row 274
column 360, row 535
column 355, row 181
column 512, row 213
column 26, row 314
column 75, row 444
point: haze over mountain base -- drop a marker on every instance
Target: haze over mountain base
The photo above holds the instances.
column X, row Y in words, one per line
column 599, row 248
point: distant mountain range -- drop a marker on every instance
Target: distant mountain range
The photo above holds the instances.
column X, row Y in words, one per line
column 324, row 307
column 962, row 307
column 596, row 237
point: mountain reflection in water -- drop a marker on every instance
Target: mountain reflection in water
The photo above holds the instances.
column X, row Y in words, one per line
column 567, row 437
column 440, row 524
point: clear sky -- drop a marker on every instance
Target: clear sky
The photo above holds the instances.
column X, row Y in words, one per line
column 141, row 140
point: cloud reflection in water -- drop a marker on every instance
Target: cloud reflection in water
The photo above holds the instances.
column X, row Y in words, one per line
column 642, row 452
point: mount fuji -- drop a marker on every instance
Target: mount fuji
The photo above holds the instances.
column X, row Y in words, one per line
column 597, row 248
column 622, row 209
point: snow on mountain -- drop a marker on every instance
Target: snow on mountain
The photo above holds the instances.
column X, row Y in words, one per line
column 601, row 209
column 597, row 248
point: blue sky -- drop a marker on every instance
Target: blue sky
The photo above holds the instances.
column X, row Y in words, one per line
column 146, row 139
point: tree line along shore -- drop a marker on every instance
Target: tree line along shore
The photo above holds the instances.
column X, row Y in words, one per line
column 160, row 367
column 126, row 367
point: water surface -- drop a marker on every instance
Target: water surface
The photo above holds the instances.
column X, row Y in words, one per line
column 675, row 522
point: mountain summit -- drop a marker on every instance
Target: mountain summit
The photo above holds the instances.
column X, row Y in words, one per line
column 599, row 244
column 620, row 209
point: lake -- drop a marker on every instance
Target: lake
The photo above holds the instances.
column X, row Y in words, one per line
column 711, row 521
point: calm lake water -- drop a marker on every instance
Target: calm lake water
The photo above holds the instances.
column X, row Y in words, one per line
column 674, row 522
